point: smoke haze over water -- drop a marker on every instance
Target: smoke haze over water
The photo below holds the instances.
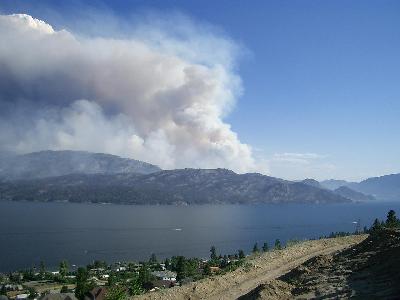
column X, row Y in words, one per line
column 151, row 96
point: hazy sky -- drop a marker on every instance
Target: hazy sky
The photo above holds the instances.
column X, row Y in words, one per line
column 293, row 89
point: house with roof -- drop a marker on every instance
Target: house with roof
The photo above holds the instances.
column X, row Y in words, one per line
column 165, row 275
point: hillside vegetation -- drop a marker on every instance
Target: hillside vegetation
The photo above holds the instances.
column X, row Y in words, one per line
column 77, row 176
column 186, row 186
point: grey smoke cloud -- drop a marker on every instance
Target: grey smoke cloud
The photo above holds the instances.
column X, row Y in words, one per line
column 151, row 96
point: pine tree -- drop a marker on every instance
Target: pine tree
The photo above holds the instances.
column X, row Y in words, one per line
column 42, row 269
column 391, row 220
column 278, row 245
column 145, row 276
column 225, row 261
column 207, row 270
column 213, row 255
column 115, row 293
column 82, row 284
column 32, row 293
column 153, row 259
column 135, row 286
column 255, row 248
column 3, row 290
column 181, row 268
column 167, row 263
column 241, row 254
column 376, row 226
column 265, row 247
column 63, row 268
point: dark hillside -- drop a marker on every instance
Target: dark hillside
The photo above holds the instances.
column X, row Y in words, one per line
column 185, row 186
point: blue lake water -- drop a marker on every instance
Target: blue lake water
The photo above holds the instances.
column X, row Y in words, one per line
column 81, row 233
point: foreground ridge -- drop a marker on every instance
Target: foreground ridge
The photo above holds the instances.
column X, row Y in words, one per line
column 258, row 269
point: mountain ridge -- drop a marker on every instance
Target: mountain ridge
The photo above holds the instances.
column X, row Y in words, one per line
column 333, row 184
column 386, row 187
column 352, row 194
column 30, row 175
column 50, row 163
column 182, row 186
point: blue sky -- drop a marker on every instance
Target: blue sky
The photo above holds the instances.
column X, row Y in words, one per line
column 321, row 79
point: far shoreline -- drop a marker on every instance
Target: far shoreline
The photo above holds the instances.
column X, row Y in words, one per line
column 184, row 204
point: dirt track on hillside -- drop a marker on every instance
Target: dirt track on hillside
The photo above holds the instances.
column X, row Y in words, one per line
column 259, row 269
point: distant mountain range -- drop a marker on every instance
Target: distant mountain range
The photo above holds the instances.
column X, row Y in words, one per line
column 341, row 188
column 57, row 163
column 385, row 187
column 333, row 184
column 94, row 177
column 312, row 182
column 184, row 186
column 353, row 195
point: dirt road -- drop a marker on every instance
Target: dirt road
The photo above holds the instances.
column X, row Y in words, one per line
column 258, row 269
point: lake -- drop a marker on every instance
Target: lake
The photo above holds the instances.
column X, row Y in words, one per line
column 80, row 233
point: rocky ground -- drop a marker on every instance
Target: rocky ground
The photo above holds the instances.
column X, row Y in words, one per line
column 254, row 279
column 369, row 270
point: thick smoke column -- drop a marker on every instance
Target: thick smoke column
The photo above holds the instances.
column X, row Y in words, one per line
column 158, row 101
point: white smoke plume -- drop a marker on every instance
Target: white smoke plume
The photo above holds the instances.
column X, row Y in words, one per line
column 151, row 96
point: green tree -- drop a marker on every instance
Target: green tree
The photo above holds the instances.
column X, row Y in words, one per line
column 32, row 293
column 115, row 293
column 28, row 274
column 3, row 290
column 192, row 267
column 82, row 283
column 225, row 261
column 186, row 267
column 167, row 263
column 135, row 286
column 112, row 280
column 42, row 269
column 391, row 220
column 153, row 259
column 145, row 276
column 265, row 247
column 99, row 264
column 207, row 270
column 213, row 253
column 241, row 254
column 376, row 226
column 64, row 289
column 278, row 245
column 255, row 248
column 63, row 269
column 181, row 268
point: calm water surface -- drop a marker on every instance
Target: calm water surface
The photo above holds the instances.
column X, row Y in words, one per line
column 81, row 233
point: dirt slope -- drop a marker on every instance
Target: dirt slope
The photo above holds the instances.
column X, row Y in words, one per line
column 369, row 270
column 259, row 269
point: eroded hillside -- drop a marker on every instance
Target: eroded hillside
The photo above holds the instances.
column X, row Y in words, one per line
column 369, row 270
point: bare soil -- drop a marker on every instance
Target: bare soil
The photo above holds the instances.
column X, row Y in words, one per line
column 369, row 270
column 258, row 270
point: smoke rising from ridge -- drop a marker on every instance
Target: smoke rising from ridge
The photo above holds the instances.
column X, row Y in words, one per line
column 152, row 96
